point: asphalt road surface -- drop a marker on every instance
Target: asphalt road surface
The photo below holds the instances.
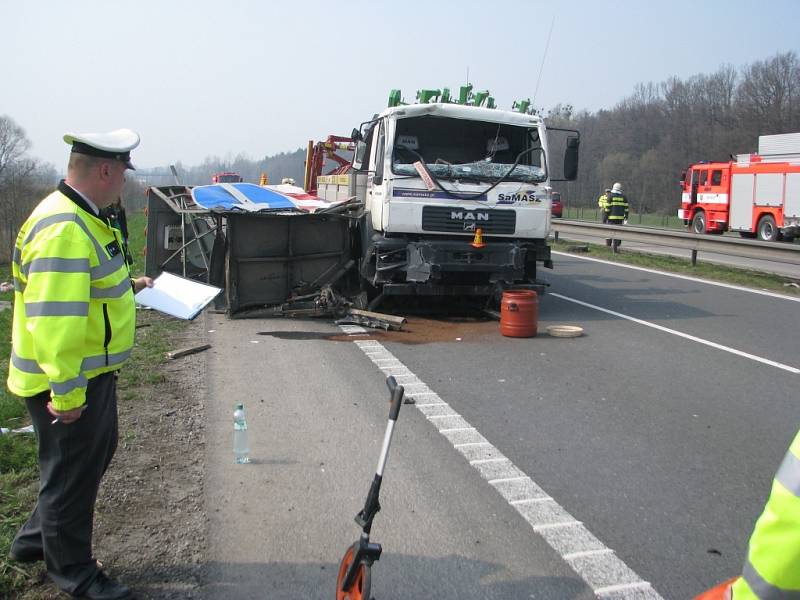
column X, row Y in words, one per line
column 631, row 462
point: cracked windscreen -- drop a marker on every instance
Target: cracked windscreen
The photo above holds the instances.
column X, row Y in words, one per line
column 464, row 150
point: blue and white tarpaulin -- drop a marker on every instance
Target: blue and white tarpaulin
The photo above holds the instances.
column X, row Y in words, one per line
column 248, row 197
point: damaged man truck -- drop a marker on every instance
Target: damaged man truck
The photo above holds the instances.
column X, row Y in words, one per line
column 456, row 195
column 443, row 197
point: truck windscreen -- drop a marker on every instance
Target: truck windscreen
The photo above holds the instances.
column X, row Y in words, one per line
column 460, row 149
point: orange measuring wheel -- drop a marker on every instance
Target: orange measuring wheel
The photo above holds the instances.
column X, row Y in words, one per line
column 361, row 586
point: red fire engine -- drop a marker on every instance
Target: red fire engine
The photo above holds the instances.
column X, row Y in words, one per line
column 226, row 177
column 757, row 195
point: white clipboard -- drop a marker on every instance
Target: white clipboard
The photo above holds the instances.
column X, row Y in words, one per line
column 177, row 296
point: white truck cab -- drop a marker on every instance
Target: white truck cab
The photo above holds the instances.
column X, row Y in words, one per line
column 457, row 198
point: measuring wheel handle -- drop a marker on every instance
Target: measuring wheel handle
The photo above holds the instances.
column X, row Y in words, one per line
column 355, row 571
column 396, row 393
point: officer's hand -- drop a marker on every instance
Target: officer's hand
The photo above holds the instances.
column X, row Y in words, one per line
column 140, row 283
column 66, row 416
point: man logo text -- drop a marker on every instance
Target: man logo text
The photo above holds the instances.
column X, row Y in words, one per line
column 468, row 216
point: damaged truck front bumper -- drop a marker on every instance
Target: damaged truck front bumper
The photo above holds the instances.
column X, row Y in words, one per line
column 455, row 267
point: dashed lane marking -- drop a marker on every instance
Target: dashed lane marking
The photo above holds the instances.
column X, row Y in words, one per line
column 607, row 575
column 692, row 338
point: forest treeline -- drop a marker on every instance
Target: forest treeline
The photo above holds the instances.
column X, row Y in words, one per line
column 644, row 142
column 651, row 136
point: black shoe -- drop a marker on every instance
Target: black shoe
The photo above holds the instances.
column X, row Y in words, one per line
column 105, row 588
column 26, row 557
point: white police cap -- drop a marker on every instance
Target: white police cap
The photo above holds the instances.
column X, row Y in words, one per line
column 116, row 145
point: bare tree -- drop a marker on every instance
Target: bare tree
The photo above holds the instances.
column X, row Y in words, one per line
column 13, row 143
column 769, row 95
column 22, row 183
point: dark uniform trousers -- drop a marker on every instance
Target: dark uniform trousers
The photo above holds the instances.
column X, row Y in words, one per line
column 72, row 461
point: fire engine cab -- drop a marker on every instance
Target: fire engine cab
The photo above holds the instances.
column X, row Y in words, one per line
column 226, row 177
column 757, row 195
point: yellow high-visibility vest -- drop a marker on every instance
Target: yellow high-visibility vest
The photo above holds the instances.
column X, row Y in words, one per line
column 74, row 312
column 772, row 568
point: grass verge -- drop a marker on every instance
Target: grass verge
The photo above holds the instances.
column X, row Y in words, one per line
column 19, row 472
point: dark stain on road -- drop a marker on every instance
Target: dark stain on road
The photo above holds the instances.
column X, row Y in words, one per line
column 420, row 330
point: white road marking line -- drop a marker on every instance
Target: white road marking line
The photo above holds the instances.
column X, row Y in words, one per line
column 430, row 404
column 483, row 461
column 531, row 500
column 443, row 416
column 686, row 277
column 622, row 586
column 578, row 542
column 555, row 526
column 582, row 554
column 505, row 479
column 692, row 338
column 471, row 444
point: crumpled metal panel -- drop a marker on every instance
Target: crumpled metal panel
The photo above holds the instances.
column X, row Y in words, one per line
column 272, row 258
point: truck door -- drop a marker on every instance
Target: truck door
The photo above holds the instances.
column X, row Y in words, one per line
column 699, row 184
column 376, row 182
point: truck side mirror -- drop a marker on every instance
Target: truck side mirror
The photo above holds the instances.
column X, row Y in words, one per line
column 360, row 154
column 356, row 135
column 571, row 159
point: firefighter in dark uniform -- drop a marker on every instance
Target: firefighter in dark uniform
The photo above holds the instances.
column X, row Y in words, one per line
column 616, row 211
column 73, row 329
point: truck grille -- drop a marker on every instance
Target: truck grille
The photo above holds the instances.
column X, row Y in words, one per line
column 460, row 220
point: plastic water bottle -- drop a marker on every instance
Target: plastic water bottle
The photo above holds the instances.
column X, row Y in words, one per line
column 241, row 449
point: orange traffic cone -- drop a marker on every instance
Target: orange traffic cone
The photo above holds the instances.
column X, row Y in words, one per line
column 477, row 241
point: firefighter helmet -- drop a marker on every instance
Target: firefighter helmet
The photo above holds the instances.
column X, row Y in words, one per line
column 617, row 188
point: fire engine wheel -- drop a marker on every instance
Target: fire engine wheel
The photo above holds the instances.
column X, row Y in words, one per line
column 362, row 585
column 699, row 222
column 767, row 229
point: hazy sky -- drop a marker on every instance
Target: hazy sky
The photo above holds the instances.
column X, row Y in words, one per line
column 202, row 78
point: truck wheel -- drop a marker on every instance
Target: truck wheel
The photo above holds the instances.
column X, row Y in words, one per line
column 699, row 222
column 767, row 230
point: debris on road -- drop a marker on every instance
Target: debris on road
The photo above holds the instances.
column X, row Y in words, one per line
column 373, row 320
column 564, row 331
column 186, row 351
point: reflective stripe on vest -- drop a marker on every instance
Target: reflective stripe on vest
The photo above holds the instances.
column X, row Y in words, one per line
column 65, row 387
column 763, row 589
column 116, row 291
column 56, row 309
column 788, row 475
column 55, row 265
column 27, row 365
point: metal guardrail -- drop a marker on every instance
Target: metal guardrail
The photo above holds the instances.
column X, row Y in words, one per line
column 756, row 249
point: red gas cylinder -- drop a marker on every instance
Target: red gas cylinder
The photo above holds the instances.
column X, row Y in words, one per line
column 519, row 313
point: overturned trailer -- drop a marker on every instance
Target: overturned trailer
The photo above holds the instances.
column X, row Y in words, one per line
column 271, row 260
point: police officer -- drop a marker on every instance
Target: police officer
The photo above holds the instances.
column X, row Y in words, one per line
column 772, row 567
column 602, row 202
column 73, row 328
column 616, row 210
